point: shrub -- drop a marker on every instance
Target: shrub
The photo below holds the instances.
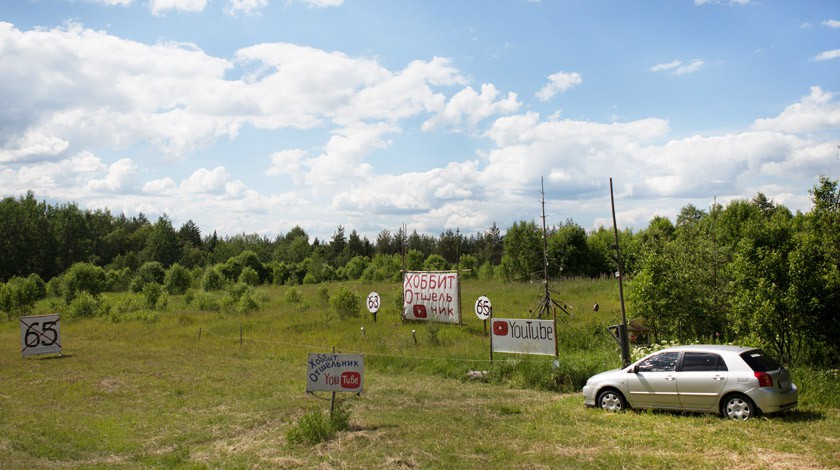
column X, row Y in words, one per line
column 249, row 276
column 177, row 279
column 315, row 427
column 83, row 277
column 85, row 304
column 212, row 279
column 118, row 280
column 345, row 303
column 435, row 262
column 154, row 296
column 205, row 302
column 150, row 272
column 324, row 294
column 292, row 296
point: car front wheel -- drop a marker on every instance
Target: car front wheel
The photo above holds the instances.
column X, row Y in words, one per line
column 738, row 407
column 611, row 400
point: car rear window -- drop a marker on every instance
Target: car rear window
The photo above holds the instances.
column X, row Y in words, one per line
column 759, row 361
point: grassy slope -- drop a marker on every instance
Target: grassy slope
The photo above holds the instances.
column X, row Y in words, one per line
column 137, row 394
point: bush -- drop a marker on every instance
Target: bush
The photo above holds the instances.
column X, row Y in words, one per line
column 345, row 303
column 435, row 262
column 212, row 279
column 118, row 280
column 204, row 301
column 149, row 272
column 83, row 277
column 249, row 276
column 85, row 304
column 315, row 427
column 292, row 296
column 177, row 279
column 154, row 297
column 18, row 296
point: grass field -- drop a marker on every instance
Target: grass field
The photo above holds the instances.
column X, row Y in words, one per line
column 186, row 391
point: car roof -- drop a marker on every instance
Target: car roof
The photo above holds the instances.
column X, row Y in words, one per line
column 710, row 348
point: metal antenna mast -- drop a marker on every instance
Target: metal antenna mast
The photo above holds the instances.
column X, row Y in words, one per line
column 547, row 304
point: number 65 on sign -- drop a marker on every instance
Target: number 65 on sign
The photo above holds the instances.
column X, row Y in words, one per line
column 40, row 334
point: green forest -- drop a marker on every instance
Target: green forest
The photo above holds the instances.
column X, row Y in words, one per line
column 751, row 272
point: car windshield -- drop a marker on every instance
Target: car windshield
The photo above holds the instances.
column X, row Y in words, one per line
column 759, row 361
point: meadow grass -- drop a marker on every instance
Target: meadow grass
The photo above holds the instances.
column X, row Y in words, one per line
column 206, row 389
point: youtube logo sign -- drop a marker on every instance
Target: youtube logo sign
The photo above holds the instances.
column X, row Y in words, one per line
column 500, row 328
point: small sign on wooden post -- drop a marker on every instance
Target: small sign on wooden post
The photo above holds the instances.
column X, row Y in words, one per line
column 40, row 334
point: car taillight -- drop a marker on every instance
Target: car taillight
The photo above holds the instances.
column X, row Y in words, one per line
column 764, row 379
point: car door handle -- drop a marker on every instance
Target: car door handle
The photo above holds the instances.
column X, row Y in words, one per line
column 717, row 377
column 670, row 377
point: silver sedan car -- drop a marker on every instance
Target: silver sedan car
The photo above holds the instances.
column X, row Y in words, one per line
column 737, row 382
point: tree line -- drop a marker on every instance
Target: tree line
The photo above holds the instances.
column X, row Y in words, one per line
column 752, row 271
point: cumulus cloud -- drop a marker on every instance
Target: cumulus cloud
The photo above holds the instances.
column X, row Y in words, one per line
column 120, row 178
column 819, row 110
column 831, row 23
column 245, row 6
column 32, row 146
column 557, row 83
column 472, row 107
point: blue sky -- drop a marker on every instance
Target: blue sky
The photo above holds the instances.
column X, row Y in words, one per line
column 258, row 115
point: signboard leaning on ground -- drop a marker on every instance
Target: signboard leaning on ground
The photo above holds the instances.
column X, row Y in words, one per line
column 524, row 336
column 335, row 373
column 432, row 296
column 40, row 334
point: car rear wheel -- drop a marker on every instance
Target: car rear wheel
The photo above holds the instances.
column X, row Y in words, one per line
column 738, row 407
column 611, row 400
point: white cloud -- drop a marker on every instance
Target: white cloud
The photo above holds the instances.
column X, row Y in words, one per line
column 32, row 146
column 160, row 6
column 559, row 82
column 816, row 111
column 120, row 177
column 244, row 6
column 206, row 181
column 666, row 66
column 677, row 67
column 323, row 3
column 473, row 106
column 286, row 162
column 828, row 55
column 114, row 2
column 831, row 23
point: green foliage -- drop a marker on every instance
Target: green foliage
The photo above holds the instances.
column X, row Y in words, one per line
column 522, row 258
column 177, row 280
column 345, row 303
column 249, row 276
column 18, row 296
column 316, row 426
column 354, row 268
column 151, row 272
column 212, row 279
column 292, row 295
column 469, row 267
column 85, row 304
column 154, row 296
column 383, row 268
column 83, row 277
column 204, row 301
column 435, row 262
